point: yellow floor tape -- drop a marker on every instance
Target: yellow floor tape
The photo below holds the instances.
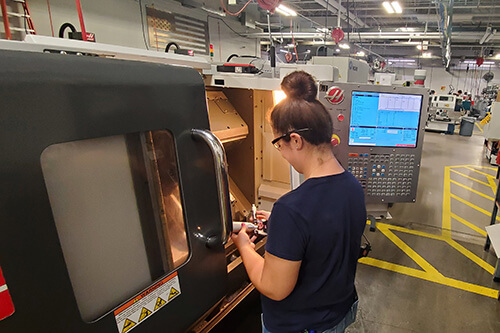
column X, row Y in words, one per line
column 429, row 272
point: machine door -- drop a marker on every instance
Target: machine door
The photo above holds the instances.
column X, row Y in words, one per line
column 114, row 196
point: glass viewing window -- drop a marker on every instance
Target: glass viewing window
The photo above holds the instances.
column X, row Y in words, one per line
column 118, row 212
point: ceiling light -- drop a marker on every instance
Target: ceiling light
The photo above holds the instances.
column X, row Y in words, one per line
column 497, row 56
column 337, row 50
column 388, row 7
column 419, row 46
column 397, row 7
column 362, row 54
column 344, row 46
column 284, row 10
column 426, row 55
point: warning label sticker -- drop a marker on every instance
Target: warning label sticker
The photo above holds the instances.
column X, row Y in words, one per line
column 137, row 310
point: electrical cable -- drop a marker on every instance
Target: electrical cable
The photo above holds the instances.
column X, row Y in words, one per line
column 142, row 24
column 237, row 13
column 227, row 25
column 170, row 44
column 50, row 18
column 64, row 26
column 293, row 41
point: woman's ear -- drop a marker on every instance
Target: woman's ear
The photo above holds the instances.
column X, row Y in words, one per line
column 296, row 140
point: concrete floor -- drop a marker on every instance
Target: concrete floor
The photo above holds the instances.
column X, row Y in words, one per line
column 428, row 271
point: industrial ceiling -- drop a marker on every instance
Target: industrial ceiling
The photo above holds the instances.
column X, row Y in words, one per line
column 420, row 31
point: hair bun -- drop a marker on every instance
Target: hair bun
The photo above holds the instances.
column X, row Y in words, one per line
column 300, row 85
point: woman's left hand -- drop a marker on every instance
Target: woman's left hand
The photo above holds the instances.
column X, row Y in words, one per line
column 242, row 239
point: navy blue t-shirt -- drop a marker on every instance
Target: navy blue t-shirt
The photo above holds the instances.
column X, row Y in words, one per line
column 320, row 223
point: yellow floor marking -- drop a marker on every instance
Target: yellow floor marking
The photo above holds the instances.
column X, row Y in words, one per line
column 429, row 272
column 482, row 173
column 479, row 209
column 472, row 190
column 409, row 251
column 414, row 232
column 446, row 223
column 474, row 179
column 430, row 277
column 493, row 185
column 470, row 225
column 480, row 262
column 479, row 127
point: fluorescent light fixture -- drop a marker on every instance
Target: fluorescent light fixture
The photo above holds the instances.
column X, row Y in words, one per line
column 388, row 7
column 497, row 56
column 426, row 55
column 419, row 46
column 284, row 10
column 291, row 45
column 362, row 54
column 344, row 46
column 337, row 50
column 323, row 30
column 401, row 60
column 406, row 29
column 397, row 7
column 392, row 7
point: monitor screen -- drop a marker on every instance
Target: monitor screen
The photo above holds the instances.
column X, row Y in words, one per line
column 384, row 119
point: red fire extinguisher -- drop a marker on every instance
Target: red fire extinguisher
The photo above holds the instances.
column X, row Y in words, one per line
column 6, row 305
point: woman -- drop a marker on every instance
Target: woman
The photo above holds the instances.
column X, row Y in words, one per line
column 306, row 277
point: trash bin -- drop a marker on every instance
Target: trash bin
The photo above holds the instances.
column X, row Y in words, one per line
column 467, row 126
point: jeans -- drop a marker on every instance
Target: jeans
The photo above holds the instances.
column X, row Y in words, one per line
column 349, row 318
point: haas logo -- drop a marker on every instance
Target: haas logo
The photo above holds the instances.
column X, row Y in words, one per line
column 335, row 95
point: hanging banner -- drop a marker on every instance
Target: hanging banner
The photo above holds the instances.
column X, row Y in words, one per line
column 6, row 305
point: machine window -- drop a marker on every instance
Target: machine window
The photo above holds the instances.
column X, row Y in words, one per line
column 384, row 119
column 118, row 212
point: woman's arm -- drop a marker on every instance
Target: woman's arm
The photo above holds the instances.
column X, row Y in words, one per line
column 273, row 277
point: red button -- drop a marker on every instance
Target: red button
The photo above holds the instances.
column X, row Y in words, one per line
column 340, row 117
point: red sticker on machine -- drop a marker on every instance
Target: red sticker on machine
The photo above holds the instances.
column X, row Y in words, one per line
column 6, row 305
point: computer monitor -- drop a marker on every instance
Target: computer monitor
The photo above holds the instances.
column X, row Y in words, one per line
column 384, row 119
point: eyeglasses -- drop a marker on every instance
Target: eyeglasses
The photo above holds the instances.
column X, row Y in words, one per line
column 287, row 135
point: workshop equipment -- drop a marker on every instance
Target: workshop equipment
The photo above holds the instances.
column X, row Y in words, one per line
column 115, row 196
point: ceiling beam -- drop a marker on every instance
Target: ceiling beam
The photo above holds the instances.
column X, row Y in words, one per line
column 342, row 10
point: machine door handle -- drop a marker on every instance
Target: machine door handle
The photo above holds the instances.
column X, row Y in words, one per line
column 220, row 163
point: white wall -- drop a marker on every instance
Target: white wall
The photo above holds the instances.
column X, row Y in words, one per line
column 118, row 22
column 438, row 77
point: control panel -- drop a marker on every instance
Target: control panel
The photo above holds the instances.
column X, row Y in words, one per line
column 378, row 136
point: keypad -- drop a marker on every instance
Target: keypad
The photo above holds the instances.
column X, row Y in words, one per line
column 383, row 175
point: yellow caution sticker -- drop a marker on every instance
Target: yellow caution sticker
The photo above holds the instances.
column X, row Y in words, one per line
column 138, row 309
column 144, row 313
column 128, row 325
column 159, row 303
column 173, row 293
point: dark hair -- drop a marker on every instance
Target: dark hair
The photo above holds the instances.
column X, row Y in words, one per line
column 301, row 109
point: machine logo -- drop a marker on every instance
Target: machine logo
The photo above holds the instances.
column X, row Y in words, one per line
column 335, row 95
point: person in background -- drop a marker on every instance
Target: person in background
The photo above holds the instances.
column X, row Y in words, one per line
column 306, row 277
